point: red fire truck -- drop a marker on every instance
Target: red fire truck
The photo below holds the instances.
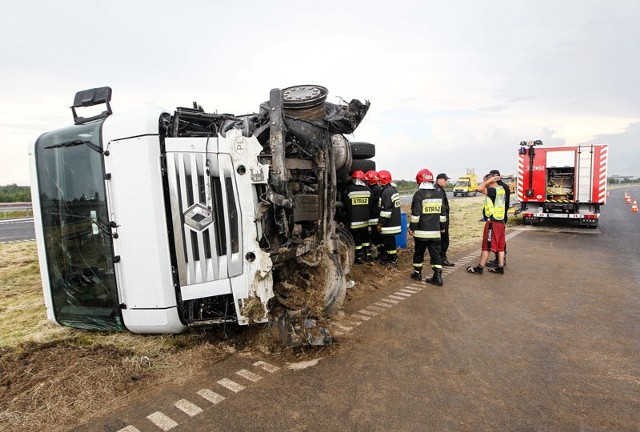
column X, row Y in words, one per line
column 567, row 182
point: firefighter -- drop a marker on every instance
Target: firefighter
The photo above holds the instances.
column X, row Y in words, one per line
column 389, row 222
column 427, row 223
column 374, row 213
column 441, row 182
column 493, row 236
column 357, row 208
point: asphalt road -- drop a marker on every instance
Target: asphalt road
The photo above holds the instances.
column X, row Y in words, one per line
column 16, row 230
column 552, row 345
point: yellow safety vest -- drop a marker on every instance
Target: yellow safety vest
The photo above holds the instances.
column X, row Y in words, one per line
column 495, row 209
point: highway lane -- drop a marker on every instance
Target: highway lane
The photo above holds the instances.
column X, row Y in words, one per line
column 551, row 345
column 16, row 230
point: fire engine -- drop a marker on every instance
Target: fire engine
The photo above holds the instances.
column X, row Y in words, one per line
column 567, row 182
column 156, row 221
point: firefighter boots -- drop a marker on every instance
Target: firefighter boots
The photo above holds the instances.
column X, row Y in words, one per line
column 416, row 274
column 389, row 260
column 436, row 279
column 368, row 255
column 446, row 262
column 360, row 256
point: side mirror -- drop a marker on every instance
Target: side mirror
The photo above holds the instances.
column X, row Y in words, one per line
column 91, row 97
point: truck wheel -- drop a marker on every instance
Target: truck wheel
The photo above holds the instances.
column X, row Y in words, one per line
column 335, row 285
column 346, row 249
column 362, row 150
column 362, row 164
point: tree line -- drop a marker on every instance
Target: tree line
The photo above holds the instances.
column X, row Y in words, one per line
column 15, row 193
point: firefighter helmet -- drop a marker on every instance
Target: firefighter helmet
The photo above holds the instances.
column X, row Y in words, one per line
column 372, row 177
column 384, row 177
column 424, row 175
column 358, row 175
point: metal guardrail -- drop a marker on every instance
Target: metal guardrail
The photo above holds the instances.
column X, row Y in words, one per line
column 16, row 207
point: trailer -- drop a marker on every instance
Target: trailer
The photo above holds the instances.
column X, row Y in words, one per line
column 562, row 183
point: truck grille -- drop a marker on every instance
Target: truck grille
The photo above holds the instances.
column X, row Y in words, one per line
column 201, row 249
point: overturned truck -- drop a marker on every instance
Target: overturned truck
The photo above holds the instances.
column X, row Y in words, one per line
column 155, row 222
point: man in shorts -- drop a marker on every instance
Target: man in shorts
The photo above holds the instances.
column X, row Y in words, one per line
column 493, row 237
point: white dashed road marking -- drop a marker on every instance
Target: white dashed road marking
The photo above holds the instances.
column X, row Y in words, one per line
column 383, row 304
column 403, row 294
column 393, row 302
column 210, row 395
column 361, row 317
column 231, row 385
column 366, row 312
column 187, row 407
column 395, row 297
column 410, row 290
column 345, row 328
column 162, row 421
column 129, row 429
column 253, row 377
column 266, row 366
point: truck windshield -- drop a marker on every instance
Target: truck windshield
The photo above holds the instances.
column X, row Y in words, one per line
column 462, row 183
column 77, row 237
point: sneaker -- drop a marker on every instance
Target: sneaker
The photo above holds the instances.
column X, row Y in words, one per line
column 477, row 269
column 499, row 270
column 446, row 262
column 492, row 263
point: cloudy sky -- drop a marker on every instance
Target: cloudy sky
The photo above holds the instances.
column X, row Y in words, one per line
column 453, row 84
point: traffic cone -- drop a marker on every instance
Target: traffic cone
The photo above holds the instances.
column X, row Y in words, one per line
column 634, row 207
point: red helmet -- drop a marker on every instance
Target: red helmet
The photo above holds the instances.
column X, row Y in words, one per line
column 372, row 177
column 384, row 177
column 358, row 175
column 424, row 175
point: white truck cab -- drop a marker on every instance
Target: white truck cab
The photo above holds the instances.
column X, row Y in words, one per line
column 155, row 221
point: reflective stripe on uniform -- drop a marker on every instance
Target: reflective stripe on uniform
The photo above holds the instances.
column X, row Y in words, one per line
column 359, row 224
column 385, row 214
column 391, row 230
column 414, row 219
column 426, row 234
column 373, row 221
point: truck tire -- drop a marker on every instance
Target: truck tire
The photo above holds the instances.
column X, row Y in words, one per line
column 362, row 164
column 346, row 249
column 362, row 150
column 335, row 285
